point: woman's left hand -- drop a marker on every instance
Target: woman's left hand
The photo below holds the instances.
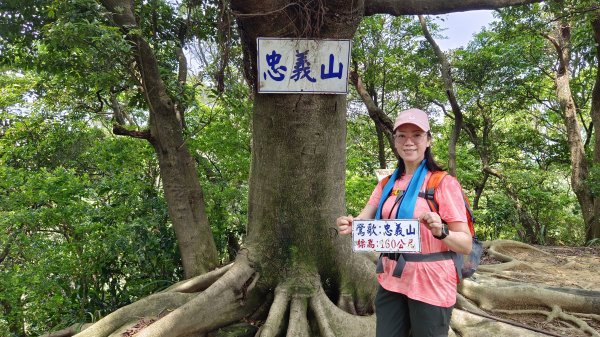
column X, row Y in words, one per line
column 459, row 236
column 432, row 221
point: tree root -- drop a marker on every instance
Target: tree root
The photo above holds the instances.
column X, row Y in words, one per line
column 556, row 313
column 180, row 311
column 299, row 324
column 331, row 320
column 199, row 283
column 463, row 303
column 499, row 249
column 275, row 321
column 149, row 307
column 500, row 288
column 358, row 284
column 491, row 293
column 318, row 307
column 466, row 324
column 343, row 323
column 219, row 298
column 204, row 313
column 300, row 307
column 346, row 303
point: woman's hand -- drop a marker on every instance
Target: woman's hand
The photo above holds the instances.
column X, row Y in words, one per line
column 344, row 224
column 433, row 222
column 459, row 236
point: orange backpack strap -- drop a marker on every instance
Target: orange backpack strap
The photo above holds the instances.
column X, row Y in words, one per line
column 432, row 184
column 385, row 180
column 434, row 181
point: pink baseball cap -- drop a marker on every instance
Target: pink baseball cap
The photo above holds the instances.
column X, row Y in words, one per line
column 413, row 116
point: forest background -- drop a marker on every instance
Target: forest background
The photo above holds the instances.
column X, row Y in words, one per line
column 84, row 225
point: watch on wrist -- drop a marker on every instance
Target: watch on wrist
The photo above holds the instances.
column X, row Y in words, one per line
column 444, row 232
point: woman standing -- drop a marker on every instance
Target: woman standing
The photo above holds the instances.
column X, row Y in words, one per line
column 416, row 297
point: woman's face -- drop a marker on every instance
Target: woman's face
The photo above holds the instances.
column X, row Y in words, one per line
column 411, row 143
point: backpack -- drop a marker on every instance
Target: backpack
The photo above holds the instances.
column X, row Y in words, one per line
column 467, row 264
column 472, row 260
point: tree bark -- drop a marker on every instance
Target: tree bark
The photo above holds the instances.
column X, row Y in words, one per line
column 431, row 7
column 381, row 149
column 483, row 149
column 184, row 197
column 297, row 181
column 593, row 230
column 579, row 164
column 224, row 43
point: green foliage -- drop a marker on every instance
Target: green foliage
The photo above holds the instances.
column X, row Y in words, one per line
column 546, row 199
column 496, row 219
column 20, row 23
column 361, row 163
column 594, row 181
column 219, row 136
column 83, row 220
column 397, row 69
column 358, row 190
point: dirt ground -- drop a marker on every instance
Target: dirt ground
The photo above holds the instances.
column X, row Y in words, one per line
column 576, row 268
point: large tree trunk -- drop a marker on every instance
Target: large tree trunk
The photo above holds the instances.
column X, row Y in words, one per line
column 184, row 196
column 298, row 151
column 593, row 229
column 177, row 169
column 297, row 181
column 579, row 164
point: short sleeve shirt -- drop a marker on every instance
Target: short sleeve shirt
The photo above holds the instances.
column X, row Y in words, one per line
column 430, row 282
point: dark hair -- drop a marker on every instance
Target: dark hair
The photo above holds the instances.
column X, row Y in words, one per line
column 431, row 164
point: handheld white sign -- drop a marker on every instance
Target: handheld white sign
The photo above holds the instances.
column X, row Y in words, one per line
column 303, row 66
column 386, row 236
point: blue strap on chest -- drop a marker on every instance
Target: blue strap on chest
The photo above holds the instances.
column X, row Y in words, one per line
column 406, row 209
column 407, row 205
column 387, row 189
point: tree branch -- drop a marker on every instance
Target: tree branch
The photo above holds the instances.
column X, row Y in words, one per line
column 382, row 121
column 122, row 131
column 559, row 50
column 183, row 67
column 416, row 7
column 378, row 116
column 146, row 63
column 493, row 172
column 449, row 88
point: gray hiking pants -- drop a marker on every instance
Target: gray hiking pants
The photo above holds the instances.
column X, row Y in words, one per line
column 400, row 316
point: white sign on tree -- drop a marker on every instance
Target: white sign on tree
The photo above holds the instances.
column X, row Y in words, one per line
column 303, row 66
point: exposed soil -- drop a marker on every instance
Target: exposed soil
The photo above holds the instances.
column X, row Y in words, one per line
column 574, row 268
